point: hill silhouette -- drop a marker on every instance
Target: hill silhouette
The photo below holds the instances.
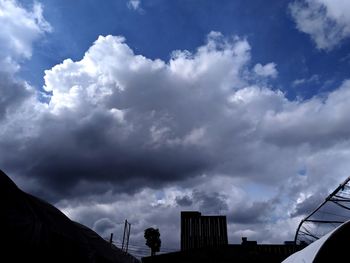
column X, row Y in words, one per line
column 33, row 230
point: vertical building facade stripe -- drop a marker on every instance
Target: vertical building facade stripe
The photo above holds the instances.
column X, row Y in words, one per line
column 199, row 231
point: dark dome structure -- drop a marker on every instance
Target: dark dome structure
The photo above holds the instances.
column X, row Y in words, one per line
column 32, row 230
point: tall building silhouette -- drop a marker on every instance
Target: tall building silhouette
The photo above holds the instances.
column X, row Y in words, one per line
column 199, row 231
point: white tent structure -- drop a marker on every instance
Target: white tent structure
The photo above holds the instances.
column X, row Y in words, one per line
column 332, row 247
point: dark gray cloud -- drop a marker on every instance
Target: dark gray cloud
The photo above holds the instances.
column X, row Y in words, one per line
column 184, row 201
column 12, row 94
column 73, row 154
column 210, row 202
column 104, row 225
column 310, row 204
column 255, row 213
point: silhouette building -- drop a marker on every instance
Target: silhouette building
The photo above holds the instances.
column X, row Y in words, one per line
column 199, row 231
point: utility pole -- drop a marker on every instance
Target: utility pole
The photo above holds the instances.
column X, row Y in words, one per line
column 126, row 236
column 111, row 239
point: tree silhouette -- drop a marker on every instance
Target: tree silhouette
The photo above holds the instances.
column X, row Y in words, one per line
column 152, row 237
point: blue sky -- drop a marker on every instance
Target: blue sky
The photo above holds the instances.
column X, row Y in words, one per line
column 140, row 109
column 159, row 27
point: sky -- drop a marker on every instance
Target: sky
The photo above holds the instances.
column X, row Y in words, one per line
column 139, row 109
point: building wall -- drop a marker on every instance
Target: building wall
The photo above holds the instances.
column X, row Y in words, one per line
column 199, row 231
column 228, row 254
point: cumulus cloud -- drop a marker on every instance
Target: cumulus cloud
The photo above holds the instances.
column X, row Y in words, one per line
column 294, row 123
column 12, row 94
column 19, row 29
column 125, row 136
column 132, row 118
column 327, row 22
column 268, row 70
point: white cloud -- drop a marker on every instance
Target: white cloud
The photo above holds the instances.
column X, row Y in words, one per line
column 196, row 131
column 314, row 79
column 268, row 70
column 164, row 108
column 134, row 4
column 19, row 29
column 326, row 21
column 295, row 122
